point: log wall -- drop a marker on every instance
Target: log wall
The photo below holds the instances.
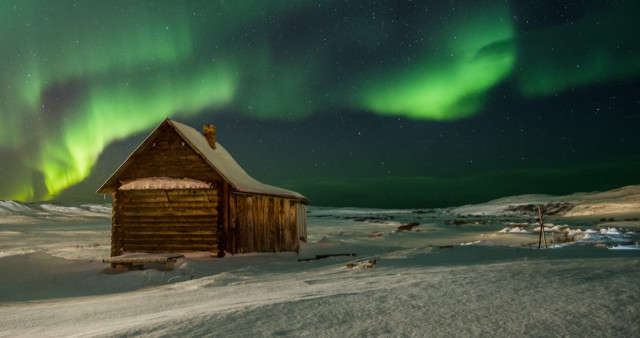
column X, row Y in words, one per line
column 261, row 223
column 165, row 221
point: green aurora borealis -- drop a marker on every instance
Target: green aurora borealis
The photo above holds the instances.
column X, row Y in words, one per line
column 428, row 104
column 450, row 83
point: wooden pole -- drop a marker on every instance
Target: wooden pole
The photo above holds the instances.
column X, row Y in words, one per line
column 542, row 233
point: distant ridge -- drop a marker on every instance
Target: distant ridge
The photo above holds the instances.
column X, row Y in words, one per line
column 624, row 200
column 17, row 213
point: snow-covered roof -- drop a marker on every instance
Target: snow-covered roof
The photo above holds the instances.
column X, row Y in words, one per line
column 230, row 170
column 221, row 161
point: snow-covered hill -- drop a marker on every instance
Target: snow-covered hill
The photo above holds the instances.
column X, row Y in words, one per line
column 625, row 200
column 12, row 212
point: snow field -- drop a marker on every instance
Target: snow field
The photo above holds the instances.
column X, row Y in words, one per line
column 454, row 274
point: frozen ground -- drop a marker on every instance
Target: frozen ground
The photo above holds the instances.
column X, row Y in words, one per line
column 464, row 271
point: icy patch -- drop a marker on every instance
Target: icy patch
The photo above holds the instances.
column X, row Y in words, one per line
column 559, row 246
column 546, row 229
column 574, row 232
column 471, row 243
column 559, row 228
column 610, row 231
column 593, row 237
column 516, row 230
column 625, row 247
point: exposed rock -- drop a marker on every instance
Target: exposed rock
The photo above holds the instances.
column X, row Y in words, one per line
column 407, row 227
column 548, row 209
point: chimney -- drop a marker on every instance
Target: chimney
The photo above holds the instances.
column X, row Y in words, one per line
column 210, row 134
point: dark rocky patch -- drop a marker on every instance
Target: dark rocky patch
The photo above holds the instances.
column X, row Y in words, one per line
column 547, row 209
column 407, row 227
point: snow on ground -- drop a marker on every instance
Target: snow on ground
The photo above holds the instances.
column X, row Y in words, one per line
column 424, row 281
column 435, row 293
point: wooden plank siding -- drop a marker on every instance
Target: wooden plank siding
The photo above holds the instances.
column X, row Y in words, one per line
column 261, row 223
column 301, row 221
column 165, row 221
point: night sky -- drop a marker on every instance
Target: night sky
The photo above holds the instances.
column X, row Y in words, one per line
column 393, row 103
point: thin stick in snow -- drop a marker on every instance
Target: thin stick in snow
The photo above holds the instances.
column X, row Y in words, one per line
column 542, row 234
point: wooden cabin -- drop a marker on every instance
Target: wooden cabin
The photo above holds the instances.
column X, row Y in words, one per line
column 181, row 191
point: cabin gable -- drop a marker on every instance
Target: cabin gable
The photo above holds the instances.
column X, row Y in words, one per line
column 168, row 155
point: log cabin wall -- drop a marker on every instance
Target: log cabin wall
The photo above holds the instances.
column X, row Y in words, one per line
column 165, row 221
column 260, row 223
